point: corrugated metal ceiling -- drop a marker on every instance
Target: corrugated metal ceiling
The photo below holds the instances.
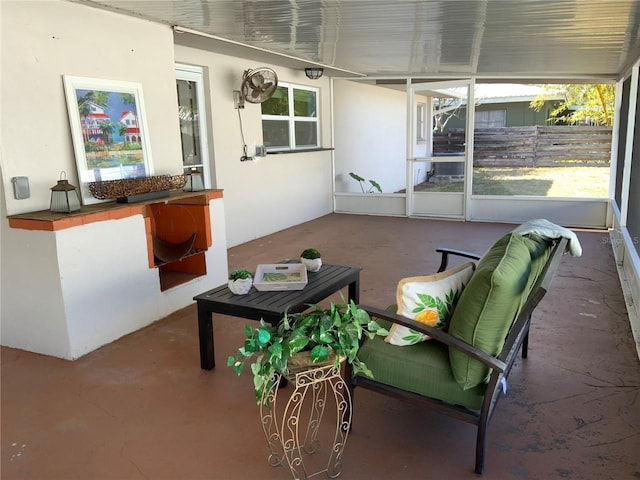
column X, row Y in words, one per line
column 484, row 38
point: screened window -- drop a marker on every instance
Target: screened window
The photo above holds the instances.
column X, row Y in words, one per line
column 290, row 118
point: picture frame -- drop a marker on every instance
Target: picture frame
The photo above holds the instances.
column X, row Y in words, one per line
column 108, row 129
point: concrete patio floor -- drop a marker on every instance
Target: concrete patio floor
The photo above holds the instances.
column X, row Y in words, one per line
column 141, row 407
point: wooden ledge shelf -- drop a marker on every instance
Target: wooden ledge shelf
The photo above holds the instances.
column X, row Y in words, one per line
column 180, row 220
column 46, row 221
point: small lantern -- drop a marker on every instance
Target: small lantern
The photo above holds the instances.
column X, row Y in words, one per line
column 64, row 196
column 194, row 181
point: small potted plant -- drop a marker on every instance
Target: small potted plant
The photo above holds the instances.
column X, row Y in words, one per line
column 324, row 336
column 240, row 281
column 311, row 259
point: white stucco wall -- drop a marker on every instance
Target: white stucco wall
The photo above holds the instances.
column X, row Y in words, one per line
column 67, row 292
column 32, row 315
column 44, row 40
column 102, row 300
column 272, row 192
column 370, row 125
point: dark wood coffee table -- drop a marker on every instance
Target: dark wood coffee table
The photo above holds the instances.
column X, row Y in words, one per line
column 270, row 306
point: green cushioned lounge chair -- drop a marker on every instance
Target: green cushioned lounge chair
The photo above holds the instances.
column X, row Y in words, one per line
column 461, row 373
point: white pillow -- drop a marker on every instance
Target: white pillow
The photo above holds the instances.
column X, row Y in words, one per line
column 429, row 300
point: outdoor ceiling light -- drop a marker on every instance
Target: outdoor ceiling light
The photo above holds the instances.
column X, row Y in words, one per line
column 314, row 73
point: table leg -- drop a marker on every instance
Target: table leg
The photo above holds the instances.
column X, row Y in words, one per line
column 205, row 332
column 354, row 294
column 354, row 290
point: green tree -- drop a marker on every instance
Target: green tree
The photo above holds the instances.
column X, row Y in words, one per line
column 122, row 130
column 594, row 102
column 128, row 98
column 107, row 129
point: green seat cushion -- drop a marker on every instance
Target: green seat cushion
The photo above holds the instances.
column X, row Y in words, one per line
column 422, row 368
column 489, row 304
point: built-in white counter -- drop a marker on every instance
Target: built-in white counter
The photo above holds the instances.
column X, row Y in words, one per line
column 91, row 276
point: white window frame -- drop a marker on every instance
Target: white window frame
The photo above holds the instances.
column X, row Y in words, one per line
column 291, row 119
column 195, row 74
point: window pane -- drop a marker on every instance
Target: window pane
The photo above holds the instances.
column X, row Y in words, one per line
column 275, row 133
column 421, row 110
column 189, row 122
column 306, row 134
column 491, row 119
column 278, row 104
column 304, row 103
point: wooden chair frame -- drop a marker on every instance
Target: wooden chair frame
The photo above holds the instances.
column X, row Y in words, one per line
column 501, row 364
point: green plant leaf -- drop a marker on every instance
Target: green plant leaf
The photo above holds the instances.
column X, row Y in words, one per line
column 319, row 353
column 305, row 322
column 360, row 368
column 275, row 350
column 251, row 346
column 375, row 185
column 375, row 327
column 298, row 346
column 352, row 334
column 285, row 322
column 356, row 177
column 361, row 315
column 325, row 323
column 310, row 253
column 263, row 336
column 351, row 354
column 279, row 363
column 240, row 274
column 258, row 382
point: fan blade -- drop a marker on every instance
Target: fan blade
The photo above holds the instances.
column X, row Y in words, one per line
column 257, row 80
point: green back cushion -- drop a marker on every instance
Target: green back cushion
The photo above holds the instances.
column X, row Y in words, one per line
column 488, row 305
column 540, row 251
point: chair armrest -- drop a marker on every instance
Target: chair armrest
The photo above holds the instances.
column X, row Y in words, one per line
column 439, row 335
column 450, row 251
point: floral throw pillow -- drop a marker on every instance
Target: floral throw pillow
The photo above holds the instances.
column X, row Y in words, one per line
column 429, row 300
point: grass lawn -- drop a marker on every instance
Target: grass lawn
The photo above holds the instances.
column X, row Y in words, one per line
column 592, row 182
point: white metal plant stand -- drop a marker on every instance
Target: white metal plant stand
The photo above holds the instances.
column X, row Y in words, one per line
column 283, row 436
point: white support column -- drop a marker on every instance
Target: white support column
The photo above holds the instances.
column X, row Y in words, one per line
column 628, row 150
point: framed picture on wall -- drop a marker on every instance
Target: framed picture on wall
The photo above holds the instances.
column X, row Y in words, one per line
column 109, row 131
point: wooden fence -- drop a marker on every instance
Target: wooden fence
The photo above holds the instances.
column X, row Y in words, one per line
column 532, row 146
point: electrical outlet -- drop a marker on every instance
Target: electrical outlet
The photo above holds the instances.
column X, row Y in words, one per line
column 20, row 188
